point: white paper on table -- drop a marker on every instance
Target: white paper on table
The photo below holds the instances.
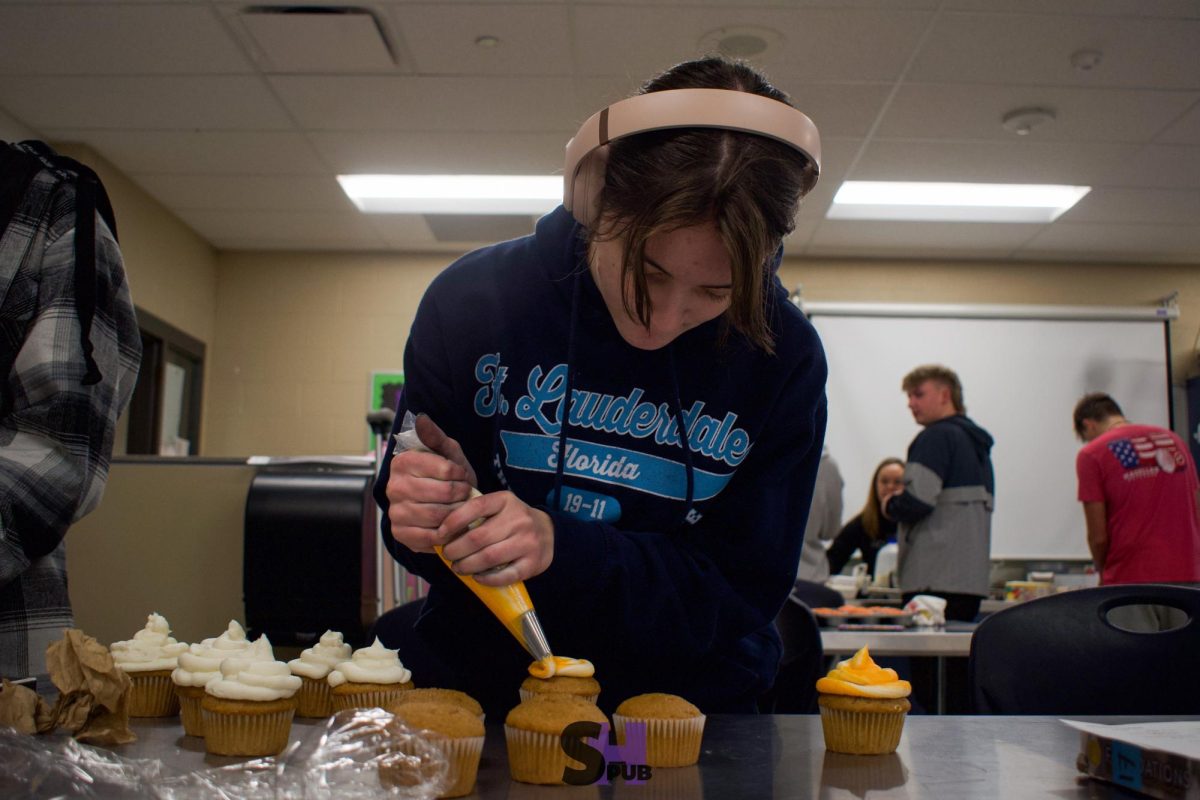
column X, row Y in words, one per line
column 1179, row 738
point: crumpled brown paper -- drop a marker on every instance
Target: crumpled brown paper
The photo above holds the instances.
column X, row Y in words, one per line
column 24, row 709
column 93, row 694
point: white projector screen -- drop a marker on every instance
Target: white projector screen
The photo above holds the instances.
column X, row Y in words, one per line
column 1021, row 379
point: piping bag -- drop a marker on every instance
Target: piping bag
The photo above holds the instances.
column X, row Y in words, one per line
column 510, row 604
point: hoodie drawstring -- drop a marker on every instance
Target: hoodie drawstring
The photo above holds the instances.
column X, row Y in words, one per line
column 683, row 436
column 565, row 405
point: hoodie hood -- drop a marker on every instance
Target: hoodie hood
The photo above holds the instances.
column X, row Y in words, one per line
column 982, row 440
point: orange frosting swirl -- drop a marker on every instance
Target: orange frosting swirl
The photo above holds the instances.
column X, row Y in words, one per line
column 550, row 666
column 860, row 676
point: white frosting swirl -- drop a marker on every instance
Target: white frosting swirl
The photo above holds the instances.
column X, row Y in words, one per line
column 151, row 648
column 202, row 662
column 317, row 661
column 254, row 674
column 374, row 664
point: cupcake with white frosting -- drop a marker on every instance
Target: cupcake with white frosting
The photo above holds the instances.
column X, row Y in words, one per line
column 315, row 697
column 372, row 678
column 148, row 658
column 198, row 665
column 248, row 709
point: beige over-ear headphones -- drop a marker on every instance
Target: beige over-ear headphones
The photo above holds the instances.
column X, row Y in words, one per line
column 583, row 175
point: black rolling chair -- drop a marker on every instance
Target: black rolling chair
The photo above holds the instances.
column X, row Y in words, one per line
column 1061, row 655
column 803, row 661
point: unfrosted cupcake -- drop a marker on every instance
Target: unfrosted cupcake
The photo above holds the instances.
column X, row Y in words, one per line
column 372, row 678
column 559, row 675
column 862, row 707
column 313, row 667
column 673, row 727
column 456, row 732
column 248, row 710
column 533, row 732
column 198, row 665
column 433, row 695
column 148, row 658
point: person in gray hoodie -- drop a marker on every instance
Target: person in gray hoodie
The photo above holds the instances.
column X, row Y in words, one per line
column 945, row 509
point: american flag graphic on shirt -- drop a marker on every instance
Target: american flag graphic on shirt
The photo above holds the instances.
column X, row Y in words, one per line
column 1156, row 448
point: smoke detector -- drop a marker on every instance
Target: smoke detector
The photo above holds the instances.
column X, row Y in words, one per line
column 1023, row 121
column 1086, row 60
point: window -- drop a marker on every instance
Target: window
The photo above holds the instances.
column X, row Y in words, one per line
column 164, row 413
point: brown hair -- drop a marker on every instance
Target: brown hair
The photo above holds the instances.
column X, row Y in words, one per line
column 748, row 186
column 1097, row 407
column 940, row 374
column 871, row 511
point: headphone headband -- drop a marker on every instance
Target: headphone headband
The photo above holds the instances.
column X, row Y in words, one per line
column 679, row 108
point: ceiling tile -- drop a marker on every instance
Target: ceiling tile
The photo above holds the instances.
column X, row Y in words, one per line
column 431, row 153
column 964, row 111
column 284, row 230
column 926, row 237
column 250, row 192
column 425, row 104
column 1159, row 206
column 823, row 44
column 1117, row 242
column 185, row 102
column 113, row 39
column 1185, row 130
column 1117, row 8
column 137, row 152
column 1165, row 166
column 993, row 162
column 1035, row 50
column 530, row 39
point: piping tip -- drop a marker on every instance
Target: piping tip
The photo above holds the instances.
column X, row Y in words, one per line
column 535, row 638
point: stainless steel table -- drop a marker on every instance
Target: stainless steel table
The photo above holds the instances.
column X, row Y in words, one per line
column 956, row 758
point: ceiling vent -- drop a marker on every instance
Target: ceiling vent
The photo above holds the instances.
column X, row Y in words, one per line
column 319, row 39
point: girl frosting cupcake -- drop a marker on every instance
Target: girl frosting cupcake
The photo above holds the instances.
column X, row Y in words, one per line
column 372, row 678
column 199, row 665
column 862, row 706
column 248, row 709
column 148, row 658
column 313, row 667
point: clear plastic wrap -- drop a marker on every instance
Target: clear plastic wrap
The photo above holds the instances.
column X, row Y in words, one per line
column 362, row 753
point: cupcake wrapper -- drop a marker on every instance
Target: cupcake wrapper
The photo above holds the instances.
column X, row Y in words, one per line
column 189, row 709
column 152, row 696
column 462, row 757
column 536, row 757
column 862, row 732
column 314, row 699
column 232, row 734
column 375, row 699
column 526, row 695
column 669, row 742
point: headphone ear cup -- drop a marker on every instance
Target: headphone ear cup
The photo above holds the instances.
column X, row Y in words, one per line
column 589, row 181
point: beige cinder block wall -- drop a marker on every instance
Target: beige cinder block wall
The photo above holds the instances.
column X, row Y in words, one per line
column 298, row 335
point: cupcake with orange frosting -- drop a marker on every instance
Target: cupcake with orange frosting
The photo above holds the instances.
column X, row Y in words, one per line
column 559, row 675
column 373, row 677
column 149, row 658
column 862, row 706
column 198, row 665
column 315, row 698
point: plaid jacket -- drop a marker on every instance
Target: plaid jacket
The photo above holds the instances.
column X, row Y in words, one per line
column 58, row 403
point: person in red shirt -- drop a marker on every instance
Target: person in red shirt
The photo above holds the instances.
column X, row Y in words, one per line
column 1138, row 487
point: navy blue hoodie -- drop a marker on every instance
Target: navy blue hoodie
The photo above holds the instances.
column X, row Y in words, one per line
column 672, row 555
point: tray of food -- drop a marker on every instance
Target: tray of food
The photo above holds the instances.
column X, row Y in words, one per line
column 867, row 615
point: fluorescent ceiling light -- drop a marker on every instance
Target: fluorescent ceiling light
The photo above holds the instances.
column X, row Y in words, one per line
column 453, row 194
column 953, row 202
